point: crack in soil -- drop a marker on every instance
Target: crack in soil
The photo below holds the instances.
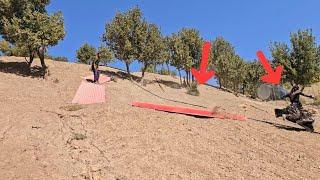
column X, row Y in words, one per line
column 5, row 132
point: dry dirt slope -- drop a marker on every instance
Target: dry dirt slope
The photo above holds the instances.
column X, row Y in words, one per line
column 39, row 139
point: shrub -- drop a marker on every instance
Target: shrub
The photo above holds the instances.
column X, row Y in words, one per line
column 60, row 58
column 173, row 73
column 164, row 71
column 192, row 89
column 150, row 69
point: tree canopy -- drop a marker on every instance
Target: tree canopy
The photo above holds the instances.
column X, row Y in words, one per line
column 124, row 34
column 301, row 61
column 26, row 23
column 86, row 53
column 152, row 48
column 185, row 50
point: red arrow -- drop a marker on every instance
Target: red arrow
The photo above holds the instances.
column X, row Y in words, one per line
column 272, row 77
column 202, row 75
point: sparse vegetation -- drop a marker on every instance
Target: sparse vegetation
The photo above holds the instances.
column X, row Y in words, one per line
column 192, row 89
column 60, row 58
column 163, row 71
column 114, row 79
column 73, row 107
column 79, row 136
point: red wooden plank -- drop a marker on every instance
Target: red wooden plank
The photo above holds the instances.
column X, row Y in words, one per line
column 188, row 111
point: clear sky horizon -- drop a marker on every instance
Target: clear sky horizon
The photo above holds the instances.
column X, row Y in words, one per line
column 250, row 25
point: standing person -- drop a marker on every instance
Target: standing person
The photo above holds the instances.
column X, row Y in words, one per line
column 95, row 68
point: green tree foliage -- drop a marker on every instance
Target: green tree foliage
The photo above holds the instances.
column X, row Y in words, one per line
column 193, row 46
column 167, row 54
column 222, row 55
column 254, row 71
column 19, row 8
column 86, row 53
column 124, row 34
column 8, row 49
column 177, row 53
column 105, row 54
column 185, row 51
column 152, row 48
column 301, row 62
column 5, row 48
column 230, row 68
column 236, row 74
column 26, row 23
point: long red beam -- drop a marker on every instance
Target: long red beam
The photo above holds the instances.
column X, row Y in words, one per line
column 188, row 111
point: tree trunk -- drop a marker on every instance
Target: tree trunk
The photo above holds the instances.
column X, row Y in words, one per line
column 144, row 70
column 187, row 77
column 43, row 64
column 41, row 57
column 220, row 84
column 168, row 68
column 31, row 57
column 154, row 68
column 128, row 70
column 180, row 76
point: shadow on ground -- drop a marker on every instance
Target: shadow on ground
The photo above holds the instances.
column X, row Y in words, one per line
column 21, row 69
column 123, row 75
column 281, row 126
column 119, row 74
column 170, row 84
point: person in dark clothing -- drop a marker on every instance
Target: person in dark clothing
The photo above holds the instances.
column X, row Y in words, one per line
column 95, row 68
column 294, row 112
column 294, row 96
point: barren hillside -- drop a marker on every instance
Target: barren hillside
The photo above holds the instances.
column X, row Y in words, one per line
column 43, row 136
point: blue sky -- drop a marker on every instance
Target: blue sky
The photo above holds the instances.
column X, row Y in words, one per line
column 250, row 25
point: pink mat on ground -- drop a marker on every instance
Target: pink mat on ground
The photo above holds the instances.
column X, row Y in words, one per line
column 89, row 93
column 102, row 78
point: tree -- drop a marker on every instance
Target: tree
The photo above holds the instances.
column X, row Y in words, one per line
column 152, row 49
column 123, row 35
column 8, row 49
column 30, row 26
column 222, row 54
column 178, row 53
column 105, row 54
column 167, row 53
column 301, row 62
column 185, row 51
column 193, row 45
column 19, row 8
column 5, row 47
column 254, row 71
column 236, row 74
column 86, row 53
